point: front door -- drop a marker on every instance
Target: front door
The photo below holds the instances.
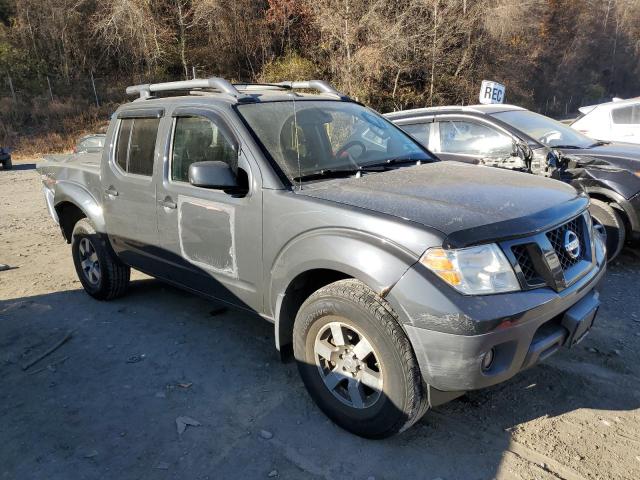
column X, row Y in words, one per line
column 129, row 197
column 470, row 141
column 212, row 240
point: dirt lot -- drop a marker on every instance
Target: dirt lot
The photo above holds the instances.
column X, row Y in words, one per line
column 104, row 405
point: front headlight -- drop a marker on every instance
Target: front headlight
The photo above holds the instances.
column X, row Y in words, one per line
column 473, row 271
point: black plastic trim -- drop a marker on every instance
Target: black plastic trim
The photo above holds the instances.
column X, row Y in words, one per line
column 146, row 112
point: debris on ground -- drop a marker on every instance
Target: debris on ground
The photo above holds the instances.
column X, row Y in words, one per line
column 273, row 473
column 51, row 366
column 162, row 466
column 136, row 358
column 182, row 422
column 267, row 435
column 49, row 351
column 4, row 267
column 185, row 385
column 84, row 452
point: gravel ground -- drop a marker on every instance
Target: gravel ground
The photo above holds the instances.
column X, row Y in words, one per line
column 105, row 404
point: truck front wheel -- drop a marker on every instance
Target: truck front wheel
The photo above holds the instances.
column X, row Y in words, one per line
column 101, row 273
column 356, row 361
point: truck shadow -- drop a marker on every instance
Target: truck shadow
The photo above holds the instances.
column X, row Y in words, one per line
column 137, row 363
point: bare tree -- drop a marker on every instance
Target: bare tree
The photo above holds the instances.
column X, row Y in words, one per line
column 130, row 29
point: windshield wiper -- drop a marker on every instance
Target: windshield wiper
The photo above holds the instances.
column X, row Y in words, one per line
column 575, row 147
column 366, row 168
column 328, row 173
column 599, row 143
column 396, row 161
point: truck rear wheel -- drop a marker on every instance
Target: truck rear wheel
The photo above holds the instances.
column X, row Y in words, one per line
column 101, row 273
column 7, row 165
column 356, row 361
column 610, row 222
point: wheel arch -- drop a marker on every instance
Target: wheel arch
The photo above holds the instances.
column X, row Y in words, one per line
column 617, row 201
column 68, row 215
column 72, row 203
column 323, row 257
column 290, row 301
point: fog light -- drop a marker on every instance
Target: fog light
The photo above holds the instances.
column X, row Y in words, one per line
column 487, row 361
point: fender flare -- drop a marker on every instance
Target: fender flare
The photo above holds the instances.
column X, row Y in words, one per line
column 76, row 194
column 375, row 261
column 622, row 202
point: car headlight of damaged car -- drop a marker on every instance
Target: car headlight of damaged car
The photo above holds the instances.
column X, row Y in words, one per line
column 473, row 271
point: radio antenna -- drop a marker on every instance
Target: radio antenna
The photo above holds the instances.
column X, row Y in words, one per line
column 296, row 139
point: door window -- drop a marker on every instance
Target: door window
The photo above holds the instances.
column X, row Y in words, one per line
column 470, row 138
column 419, row 131
column 122, row 146
column 626, row 115
column 136, row 145
column 198, row 139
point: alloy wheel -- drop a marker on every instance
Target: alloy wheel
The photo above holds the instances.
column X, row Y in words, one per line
column 348, row 364
column 89, row 261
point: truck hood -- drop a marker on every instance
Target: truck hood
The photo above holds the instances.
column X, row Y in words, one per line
column 469, row 204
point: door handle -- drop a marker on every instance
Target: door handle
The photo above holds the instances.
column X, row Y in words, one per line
column 168, row 203
column 111, row 191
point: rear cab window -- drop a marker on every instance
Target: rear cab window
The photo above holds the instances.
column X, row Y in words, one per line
column 136, row 144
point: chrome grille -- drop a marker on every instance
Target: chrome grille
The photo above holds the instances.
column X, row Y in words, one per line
column 523, row 258
column 543, row 259
column 556, row 237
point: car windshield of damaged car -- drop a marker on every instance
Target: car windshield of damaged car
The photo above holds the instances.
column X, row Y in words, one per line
column 312, row 140
column 547, row 131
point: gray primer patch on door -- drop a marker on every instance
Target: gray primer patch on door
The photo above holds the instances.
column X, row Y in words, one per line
column 206, row 231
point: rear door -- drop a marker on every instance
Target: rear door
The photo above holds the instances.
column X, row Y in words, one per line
column 211, row 239
column 129, row 198
column 625, row 124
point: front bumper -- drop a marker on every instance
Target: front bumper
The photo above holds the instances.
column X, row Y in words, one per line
column 451, row 333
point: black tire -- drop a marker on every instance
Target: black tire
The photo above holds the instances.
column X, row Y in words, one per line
column 611, row 221
column 7, row 165
column 113, row 278
column 402, row 400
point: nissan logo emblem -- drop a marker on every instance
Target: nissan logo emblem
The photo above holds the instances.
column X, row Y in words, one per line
column 571, row 244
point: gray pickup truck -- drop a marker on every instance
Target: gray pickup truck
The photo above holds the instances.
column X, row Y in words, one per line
column 397, row 281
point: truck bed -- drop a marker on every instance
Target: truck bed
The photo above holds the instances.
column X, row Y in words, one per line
column 63, row 174
column 89, row 162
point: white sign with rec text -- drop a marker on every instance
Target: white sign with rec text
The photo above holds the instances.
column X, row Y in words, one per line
column 491, row 92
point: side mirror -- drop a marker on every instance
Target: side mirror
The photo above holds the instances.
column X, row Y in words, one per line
column 515, row 151
column 213, row 174
column 522, row 150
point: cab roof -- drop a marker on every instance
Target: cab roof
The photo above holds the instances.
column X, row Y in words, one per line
column 477, row 109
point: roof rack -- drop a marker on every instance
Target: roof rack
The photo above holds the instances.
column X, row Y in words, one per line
column 216, row 83
column 233, row 90
column 319, row 85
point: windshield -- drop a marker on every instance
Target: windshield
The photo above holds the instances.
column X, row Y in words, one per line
column 547, row 131
column 321, row 136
